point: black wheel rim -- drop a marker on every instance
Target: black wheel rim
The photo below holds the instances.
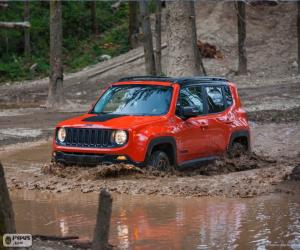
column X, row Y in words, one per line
column 162, row 164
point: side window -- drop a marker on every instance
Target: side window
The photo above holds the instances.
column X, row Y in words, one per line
column 228, row 96
column 191, row 96
column 215, row 99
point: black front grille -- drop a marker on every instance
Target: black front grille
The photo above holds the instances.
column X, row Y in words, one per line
column 89, row 138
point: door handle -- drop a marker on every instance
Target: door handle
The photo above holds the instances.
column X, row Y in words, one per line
column 203, row 124
column 196, row 123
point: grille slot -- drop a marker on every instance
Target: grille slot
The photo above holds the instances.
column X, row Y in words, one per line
column 89, row 138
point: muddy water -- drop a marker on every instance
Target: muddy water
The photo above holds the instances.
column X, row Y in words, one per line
column 140, row 222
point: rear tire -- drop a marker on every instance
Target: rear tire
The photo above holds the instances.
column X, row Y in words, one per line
column 236, row 150
column 159, row 160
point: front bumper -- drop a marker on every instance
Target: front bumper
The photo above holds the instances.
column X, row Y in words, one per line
column 90, row 159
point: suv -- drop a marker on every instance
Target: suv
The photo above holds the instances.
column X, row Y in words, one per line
column 157, row 122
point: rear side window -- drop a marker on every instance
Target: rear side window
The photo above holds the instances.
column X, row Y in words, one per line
column 228, row 96
column 215, row 99
column 192, row 96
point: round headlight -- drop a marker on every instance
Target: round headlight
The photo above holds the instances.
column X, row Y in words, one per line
column 61, row 134
column 120, row 137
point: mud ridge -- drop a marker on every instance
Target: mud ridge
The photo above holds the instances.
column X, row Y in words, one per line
column 246, row 176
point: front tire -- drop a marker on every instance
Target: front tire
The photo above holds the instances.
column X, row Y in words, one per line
column 159, row 160
column 236, row 150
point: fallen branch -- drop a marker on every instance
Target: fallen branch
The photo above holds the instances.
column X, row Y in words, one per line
column 132, row 59
column 73, row 241
column 116, row 5
column 54, row 238
column 14, row 25
column 3, row 5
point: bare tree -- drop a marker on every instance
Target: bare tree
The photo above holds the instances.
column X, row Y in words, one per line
column 26, row 31
column 94, row 25
column 182, row 59
column 199, row 60
column 133, row 24
column 55, row 94
column 147, row 38
column 241, row 23
column 298, row 30
column 158, row 37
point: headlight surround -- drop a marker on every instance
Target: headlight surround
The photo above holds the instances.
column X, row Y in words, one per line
column 61, row 134
column 120, row 137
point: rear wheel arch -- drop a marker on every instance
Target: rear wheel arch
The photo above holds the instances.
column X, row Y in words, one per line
column 166, row 144
column 242, row 137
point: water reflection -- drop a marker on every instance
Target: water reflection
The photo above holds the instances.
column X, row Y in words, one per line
column 167, row 223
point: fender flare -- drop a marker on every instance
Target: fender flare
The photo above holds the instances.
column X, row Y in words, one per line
column 162, row 140
column 240, row 133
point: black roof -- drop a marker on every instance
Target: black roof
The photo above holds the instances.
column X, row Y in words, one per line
column 180, row 80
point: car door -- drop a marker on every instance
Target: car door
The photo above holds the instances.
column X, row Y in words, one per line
column 193, row 141
column 220, row 118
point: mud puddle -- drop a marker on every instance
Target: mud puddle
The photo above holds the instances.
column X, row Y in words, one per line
column 143, row 222
column 28, row 168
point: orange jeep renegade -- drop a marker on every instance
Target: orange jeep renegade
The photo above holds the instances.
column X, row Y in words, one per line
column 156, row 122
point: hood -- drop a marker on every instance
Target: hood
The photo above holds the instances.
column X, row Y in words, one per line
column 110, row 121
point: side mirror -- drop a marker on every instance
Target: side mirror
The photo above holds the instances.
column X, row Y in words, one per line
column 189, row 111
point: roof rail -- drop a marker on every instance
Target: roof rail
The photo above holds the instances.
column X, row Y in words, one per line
column 180, row 80
column 204, row 78
column 141, row 78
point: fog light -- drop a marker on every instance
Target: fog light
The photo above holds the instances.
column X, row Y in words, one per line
column 54, row 154
column 121, row 158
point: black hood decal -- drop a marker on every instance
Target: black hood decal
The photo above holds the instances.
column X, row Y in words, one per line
column 102, row 118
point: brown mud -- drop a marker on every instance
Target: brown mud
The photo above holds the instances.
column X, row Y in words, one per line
column 221, row 166
column 283, row 116
column 245, row 176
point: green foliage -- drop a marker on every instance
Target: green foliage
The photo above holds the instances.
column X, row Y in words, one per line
column 80, row 47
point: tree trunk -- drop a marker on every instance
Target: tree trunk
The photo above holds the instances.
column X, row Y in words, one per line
column 158, row 37
column 94, row 27
column 14, row 25
column 182, row 57
column 241, row 23
column 298, row 30
column 195, row 39
column 101, row 234
column 147, row 38
column 55, row 94
column 26, row 31
column 133, row 36
column 7, row 221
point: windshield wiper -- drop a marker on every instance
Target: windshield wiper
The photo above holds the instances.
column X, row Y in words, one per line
column 100, row 113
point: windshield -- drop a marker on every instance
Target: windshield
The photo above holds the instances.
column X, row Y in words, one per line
column 135, row 100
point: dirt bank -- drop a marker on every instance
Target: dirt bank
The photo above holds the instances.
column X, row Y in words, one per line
column 271, row 31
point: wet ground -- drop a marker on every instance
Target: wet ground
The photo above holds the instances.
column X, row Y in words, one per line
column 143, row 222
column 163, row 217
column 27, row 167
